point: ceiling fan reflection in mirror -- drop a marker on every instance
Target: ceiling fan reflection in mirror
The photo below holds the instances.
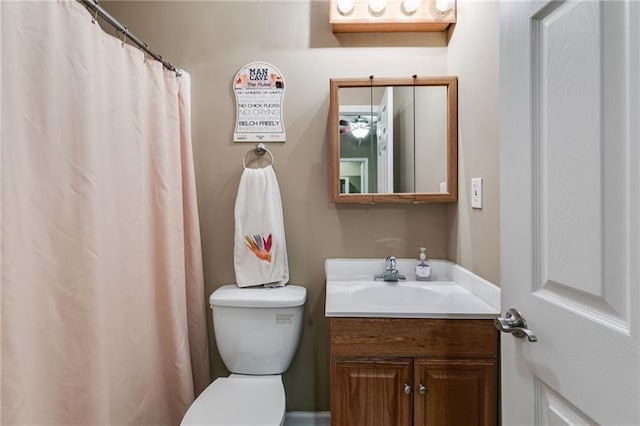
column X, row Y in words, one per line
column 358, row 126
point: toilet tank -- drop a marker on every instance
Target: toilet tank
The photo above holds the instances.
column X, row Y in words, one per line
column 257, row 329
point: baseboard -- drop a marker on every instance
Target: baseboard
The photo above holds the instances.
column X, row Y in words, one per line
column 307, row 418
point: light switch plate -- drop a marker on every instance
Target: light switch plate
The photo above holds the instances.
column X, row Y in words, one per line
column 476, row 193
column 443, row 187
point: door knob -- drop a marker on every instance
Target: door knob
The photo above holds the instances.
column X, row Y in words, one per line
column 422, row 390
column 407, row 388
column 513, row 322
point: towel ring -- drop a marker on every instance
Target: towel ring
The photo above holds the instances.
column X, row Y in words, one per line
column 259, row 150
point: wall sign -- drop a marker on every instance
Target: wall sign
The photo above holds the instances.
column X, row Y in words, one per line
column 259, row 90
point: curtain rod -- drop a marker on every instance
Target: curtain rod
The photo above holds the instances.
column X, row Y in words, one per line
column 121, row 28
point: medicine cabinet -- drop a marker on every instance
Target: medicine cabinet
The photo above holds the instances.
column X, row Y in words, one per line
column 393, row 140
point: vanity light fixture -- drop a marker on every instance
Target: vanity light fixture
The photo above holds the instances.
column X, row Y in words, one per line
column 346, row 6
column 410, row 6
column 377, row 6
column 443, row 6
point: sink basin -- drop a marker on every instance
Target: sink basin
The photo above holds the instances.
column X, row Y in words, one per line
column 454, row 292
column 401, row 294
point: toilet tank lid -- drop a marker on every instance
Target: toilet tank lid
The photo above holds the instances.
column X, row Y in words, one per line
column 259, row 297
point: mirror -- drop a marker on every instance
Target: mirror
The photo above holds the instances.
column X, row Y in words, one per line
column 393, row 140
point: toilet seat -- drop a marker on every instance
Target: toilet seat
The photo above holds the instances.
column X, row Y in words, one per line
column 239, row 400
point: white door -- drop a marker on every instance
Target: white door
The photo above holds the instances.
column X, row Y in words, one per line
column 384, row 131
column 570, row 197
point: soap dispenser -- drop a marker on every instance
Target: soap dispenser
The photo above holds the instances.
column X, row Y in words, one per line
column 423, row 270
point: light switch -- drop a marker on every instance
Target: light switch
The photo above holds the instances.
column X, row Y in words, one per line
column 476, row 193
column 443, row 187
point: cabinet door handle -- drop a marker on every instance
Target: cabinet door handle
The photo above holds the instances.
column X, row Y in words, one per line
column 407, row 388
column 422, row 390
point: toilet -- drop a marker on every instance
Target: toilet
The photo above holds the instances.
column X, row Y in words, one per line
column 257, row 331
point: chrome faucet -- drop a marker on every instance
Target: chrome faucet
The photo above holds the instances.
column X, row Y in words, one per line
column 390, row 273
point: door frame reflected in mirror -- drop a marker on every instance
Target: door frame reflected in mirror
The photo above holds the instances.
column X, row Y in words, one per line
column 362, row 164
column 451, row 83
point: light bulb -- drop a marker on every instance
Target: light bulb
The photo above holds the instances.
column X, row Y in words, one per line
column 443, row 6
column 346, row 6
column 410, row 6
column 377, row 6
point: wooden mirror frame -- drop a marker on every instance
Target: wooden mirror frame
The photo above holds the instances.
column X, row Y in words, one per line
column 451, row 82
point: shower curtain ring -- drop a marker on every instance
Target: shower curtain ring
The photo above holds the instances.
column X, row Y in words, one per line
column 124, row 34
column 145, row 52
column 95, row 17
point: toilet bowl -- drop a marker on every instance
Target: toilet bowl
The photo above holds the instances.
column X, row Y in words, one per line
column 257, row 331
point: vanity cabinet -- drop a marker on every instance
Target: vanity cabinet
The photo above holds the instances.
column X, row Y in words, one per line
column 372, row 392
column 455, row 392
column 397, row 372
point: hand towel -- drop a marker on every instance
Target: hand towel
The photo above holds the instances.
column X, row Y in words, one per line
column 260, row 249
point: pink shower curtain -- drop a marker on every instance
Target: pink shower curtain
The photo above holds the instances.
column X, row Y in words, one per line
column 103, row 310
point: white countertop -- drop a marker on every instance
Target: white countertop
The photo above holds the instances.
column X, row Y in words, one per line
column 453, row 292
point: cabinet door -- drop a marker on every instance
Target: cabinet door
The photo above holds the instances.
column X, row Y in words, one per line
column 455, row 392
column 371, row 392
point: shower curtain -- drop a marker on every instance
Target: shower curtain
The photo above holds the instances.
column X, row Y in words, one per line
column 103, row 311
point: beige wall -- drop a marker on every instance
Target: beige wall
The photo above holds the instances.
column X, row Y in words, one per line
column 212, row 40
column 472, row 55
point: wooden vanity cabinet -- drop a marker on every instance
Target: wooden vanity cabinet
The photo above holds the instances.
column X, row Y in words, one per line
column 369, row 392
column 402, row 372
column 457, row 392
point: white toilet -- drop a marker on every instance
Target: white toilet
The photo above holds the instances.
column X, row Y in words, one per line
column 257, row 332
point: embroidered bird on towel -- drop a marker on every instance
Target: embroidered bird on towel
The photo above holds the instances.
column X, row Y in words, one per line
column 259, row 246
